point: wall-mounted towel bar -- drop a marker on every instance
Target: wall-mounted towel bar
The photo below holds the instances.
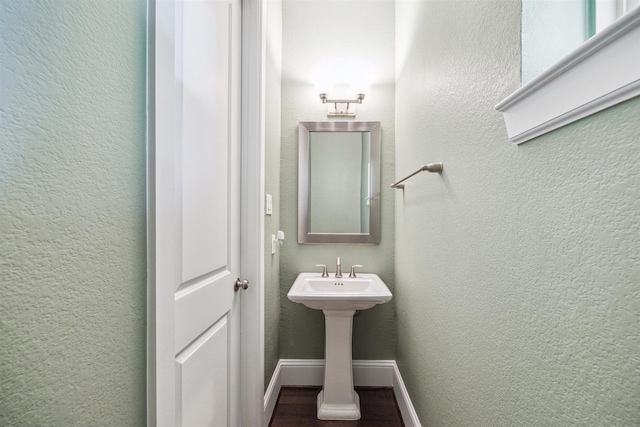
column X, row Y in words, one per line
column 431, row 167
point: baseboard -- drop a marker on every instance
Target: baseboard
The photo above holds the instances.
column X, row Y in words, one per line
column 407, row 410
column 272, row 393
column 366, row 373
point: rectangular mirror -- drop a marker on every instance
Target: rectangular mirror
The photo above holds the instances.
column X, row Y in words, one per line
column 339, row 182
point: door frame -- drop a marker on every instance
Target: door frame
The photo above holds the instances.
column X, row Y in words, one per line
column 252, row 213
column 251, row 220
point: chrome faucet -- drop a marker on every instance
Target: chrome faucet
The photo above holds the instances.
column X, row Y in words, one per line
column 352, row 274
column 324, row 270
column 338, row 268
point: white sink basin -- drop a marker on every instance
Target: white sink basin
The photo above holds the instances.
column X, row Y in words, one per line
column 338, row 299
column 346, row 293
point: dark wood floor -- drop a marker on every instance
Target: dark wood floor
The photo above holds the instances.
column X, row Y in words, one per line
column 296, row 407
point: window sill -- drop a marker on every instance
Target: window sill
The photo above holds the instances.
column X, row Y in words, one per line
column 602, row 72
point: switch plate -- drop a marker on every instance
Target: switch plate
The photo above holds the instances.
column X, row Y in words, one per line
column 269, row 205
column 274, row 244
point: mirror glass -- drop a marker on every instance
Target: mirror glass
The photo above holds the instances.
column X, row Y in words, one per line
column 551, row 29
column 339, row 182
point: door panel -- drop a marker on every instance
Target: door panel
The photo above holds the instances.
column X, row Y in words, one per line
column 198, row 216
column 200, row 306
column 201, row 379
column 206, row 95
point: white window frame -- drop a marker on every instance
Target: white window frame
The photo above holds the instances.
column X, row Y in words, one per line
column 602, row 72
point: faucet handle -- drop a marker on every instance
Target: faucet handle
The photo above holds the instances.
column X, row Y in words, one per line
column 324, row 270
column 353, row 271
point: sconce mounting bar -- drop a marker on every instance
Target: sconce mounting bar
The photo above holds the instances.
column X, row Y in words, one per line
column 431, row 167
column 341, row 106
column 359, row 98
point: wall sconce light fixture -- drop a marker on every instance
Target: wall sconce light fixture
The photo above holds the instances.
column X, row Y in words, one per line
column 342, row 107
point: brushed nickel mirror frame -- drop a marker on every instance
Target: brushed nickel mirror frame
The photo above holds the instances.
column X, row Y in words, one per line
column 304, row 235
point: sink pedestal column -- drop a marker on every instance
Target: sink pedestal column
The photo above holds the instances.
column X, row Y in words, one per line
column 338, row 400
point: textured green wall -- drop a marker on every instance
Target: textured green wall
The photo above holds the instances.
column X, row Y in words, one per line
column 334, row 32
column 517, row 271
column 273, row 74
column 72, row 217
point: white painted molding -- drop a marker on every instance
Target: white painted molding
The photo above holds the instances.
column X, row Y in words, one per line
column 602, row 72
column 366, row 373
column 252, row 218
column 407, row 410
column 272, row 393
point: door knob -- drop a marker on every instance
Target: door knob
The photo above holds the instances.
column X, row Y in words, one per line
column 241, row 284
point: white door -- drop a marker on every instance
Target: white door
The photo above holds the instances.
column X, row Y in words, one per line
column 196, row 258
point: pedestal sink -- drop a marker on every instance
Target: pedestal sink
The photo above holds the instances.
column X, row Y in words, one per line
column 338, row 298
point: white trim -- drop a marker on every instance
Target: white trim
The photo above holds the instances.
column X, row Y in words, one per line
column 160, row 114
column 407, row 410
column 151, row 395
column 602, row 72
column 366, row 373
column 272, row 393
column 252, row 208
